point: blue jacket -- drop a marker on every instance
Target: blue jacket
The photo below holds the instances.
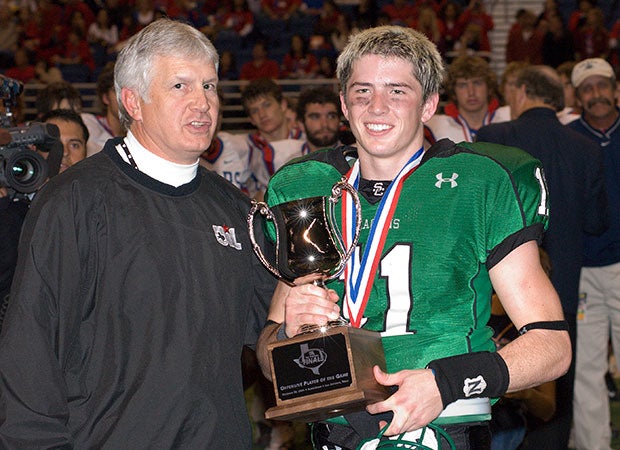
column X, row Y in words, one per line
column 604, row 250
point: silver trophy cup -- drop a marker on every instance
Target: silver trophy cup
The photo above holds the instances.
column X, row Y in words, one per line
column 307, row 237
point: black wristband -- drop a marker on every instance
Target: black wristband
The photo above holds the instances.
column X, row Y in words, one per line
column 479, row 374
column 555, row 325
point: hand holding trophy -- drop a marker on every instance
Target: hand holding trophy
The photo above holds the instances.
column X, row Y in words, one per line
column 326, row 370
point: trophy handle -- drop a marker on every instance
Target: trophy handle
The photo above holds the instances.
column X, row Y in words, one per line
column 337, row 189
column 263, row 209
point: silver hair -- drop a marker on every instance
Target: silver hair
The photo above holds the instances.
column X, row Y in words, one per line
column 394, row 41
column 164, row 37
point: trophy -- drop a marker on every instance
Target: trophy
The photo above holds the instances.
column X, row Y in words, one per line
column 324, row 371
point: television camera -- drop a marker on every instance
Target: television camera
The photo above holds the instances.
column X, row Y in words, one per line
column 23, row 170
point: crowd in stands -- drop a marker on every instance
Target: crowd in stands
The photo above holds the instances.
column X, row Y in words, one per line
column 549, row 39
column 46, row 40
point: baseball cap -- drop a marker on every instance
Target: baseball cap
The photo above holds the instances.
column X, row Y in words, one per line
column 589, row 67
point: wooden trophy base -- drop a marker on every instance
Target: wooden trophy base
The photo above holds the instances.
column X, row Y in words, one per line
column 325, row 374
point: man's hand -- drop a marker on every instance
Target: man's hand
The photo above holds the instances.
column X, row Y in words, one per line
column 416, row 403
column 307, row 303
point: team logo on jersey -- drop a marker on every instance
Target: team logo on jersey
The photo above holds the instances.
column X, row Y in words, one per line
column 311, row 358
column 441, row 180
column 378, row 189
column 226, row 236
column 474, row 386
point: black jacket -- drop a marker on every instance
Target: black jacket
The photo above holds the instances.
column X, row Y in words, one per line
column 130, row 305
column 574, row 173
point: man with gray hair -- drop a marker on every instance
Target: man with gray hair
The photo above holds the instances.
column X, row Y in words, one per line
column 443, row 229
column 137, row 287
column 574, row 174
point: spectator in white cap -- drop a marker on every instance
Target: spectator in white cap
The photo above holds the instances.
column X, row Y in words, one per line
column 590, row 67
column 599, row 287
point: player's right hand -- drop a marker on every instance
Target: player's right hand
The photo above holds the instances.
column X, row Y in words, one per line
column 308, row 304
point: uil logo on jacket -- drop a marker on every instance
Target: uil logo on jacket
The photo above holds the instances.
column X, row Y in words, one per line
column 226, row 236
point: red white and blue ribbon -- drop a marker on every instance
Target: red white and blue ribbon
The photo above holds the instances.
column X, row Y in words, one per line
column 359, row 273
column 468, row 132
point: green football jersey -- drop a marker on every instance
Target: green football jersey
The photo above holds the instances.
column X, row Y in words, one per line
column 460, row 212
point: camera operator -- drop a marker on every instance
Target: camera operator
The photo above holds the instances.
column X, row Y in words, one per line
column 15, row 204
column 28, row 157
column 73, row 134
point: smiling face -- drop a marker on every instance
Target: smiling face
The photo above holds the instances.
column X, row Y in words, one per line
column 385, row 108
column 596, row 96
column 178, row 120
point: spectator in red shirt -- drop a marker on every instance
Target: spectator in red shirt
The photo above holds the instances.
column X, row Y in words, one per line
column 592, row 40
column 299, row 62
column 524, row 39
column 614, row 44
column 399, row 11
column 31, row 35
column 239, row 19
column 187, row 11
column 71, row 6
column 449, row 15
column 215, row 26
column 327, row 20
column 42, row 29
column 577, row 18
column 23, row 70
column 77, row 23
column 471, row 43
column 429, row 24
column 232, row 26
column 280, row 9
column 475, row 14
column 103, row 37
column 260, row 66
column 76, row 62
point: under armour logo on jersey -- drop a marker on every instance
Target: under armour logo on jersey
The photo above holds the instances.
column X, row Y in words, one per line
column 474, row 386
column 226, row 236
column 378, row 190
column 441, row 180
